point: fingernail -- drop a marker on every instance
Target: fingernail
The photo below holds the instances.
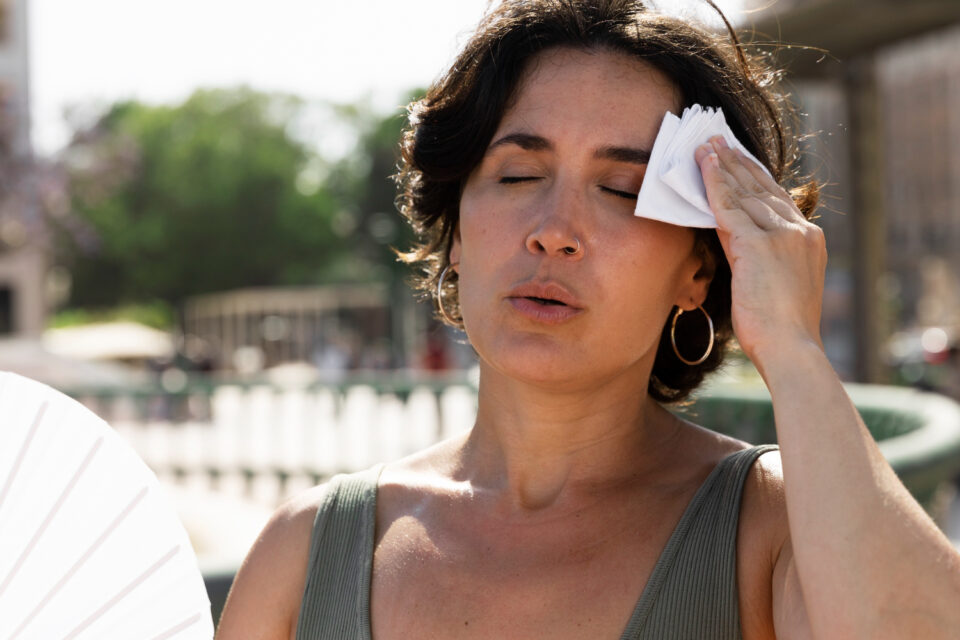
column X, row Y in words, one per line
column 722, row 143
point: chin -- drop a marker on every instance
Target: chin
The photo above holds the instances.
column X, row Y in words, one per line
column 547, row 376
column 542, row 361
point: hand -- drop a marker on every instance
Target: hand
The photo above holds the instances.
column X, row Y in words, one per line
column 776, row 256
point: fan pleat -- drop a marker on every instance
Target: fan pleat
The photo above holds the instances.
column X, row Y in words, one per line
column 23, row 452
column 51, row 514
column 90, row 545
column 172, row 631
column 80, row 562
column 123, row 592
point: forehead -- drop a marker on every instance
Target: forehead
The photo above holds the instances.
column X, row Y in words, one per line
column 597, row 91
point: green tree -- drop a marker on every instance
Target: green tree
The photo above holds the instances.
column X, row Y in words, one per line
column 363, row 184
column 193, row 198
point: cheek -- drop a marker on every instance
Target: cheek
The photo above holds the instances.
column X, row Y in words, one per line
column 653, row 261
column 486, row 226
column 652, row 246
column 667, row 246
column 479, row 244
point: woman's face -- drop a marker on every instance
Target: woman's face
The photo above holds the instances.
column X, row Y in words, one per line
column 562, row 171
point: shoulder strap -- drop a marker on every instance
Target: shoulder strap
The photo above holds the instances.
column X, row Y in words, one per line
column 692, row 592
column 336, row 595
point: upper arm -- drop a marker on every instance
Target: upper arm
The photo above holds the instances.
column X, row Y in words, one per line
column 789, row 609
column 264, row 600
column 771, row 603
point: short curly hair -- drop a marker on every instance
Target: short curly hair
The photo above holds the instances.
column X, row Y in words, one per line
column 450, row 128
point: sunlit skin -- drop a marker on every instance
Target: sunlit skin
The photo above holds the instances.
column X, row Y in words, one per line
column 552, row 178
column 559, row 464
column 546, row 519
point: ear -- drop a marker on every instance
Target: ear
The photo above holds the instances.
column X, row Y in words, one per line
column 453, row 253
column 697, row 279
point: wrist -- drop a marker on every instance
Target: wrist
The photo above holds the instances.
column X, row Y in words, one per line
column 789, row 360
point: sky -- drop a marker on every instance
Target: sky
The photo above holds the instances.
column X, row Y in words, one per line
column 85, row 54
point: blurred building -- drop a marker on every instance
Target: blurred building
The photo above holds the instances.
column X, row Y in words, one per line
column 335, row 328
column 826, row 158
column 881, row 94
column 920, row 100
column 23, row 240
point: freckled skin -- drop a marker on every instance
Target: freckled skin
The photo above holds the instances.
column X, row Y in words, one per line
column 631, row 271
column 552, row 553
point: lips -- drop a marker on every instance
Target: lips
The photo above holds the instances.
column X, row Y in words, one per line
column 549, row 293
column 546, row 302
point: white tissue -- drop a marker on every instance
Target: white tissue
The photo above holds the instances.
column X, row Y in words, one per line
column 672, row 189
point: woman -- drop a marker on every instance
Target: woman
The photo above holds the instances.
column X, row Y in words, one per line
column 578, row 506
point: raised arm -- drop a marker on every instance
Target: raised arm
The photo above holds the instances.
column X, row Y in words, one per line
column 868, row 561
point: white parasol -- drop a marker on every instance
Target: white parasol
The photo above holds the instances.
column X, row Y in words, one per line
column 90, row 547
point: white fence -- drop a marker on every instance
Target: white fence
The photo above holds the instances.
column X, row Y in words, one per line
column 267, row 442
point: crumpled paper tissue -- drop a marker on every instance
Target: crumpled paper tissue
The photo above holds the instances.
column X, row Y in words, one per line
column 673, row 189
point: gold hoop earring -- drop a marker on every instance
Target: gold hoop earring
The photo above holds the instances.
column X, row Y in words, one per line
column 443, row 312
column 673, row 337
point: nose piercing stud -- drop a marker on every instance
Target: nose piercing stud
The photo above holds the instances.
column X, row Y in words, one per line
column 570, row 251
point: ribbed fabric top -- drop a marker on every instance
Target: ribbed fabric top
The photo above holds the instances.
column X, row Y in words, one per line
column 691, row 594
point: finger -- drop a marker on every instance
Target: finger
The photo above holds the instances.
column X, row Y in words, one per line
column 732, row 163
column 756, row 180
column 726, row 208
column 758, row 209
column 745, row 171
column 753, row 178
column 756, row 171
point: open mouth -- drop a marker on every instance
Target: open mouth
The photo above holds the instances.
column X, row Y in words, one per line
column 546, row 301
column 545, row 304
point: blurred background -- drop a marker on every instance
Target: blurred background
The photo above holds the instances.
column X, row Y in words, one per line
column 197, row 225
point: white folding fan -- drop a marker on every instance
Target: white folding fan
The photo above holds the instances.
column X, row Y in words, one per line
column 89, row 545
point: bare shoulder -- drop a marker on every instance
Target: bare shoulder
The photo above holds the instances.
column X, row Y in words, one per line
column 761, row 537
column 763, row 510
column 264, row 601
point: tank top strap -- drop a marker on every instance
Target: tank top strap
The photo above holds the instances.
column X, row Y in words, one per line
column 336, row 597
column 692, row 591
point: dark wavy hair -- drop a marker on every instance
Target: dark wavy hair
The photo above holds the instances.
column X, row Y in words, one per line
column 450, row 128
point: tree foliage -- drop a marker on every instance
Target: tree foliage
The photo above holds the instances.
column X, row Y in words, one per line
column 363, row 183
column 194, row 198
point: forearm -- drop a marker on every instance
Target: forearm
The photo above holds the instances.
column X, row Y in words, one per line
column 870, row 561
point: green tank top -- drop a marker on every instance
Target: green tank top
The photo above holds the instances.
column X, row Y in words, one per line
column 691, row 594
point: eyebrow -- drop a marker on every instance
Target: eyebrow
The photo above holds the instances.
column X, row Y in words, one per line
column 526, row 141
column 623, row 154
column 531, row 142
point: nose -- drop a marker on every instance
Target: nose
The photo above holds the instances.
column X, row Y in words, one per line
column 555, row 233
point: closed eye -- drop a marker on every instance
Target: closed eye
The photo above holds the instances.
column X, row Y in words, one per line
column 626, row 195
column 621, row 194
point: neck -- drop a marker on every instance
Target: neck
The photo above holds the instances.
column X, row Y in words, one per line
column 536, row 448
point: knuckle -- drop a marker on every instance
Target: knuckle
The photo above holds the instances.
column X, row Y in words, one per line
column 814, row 235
